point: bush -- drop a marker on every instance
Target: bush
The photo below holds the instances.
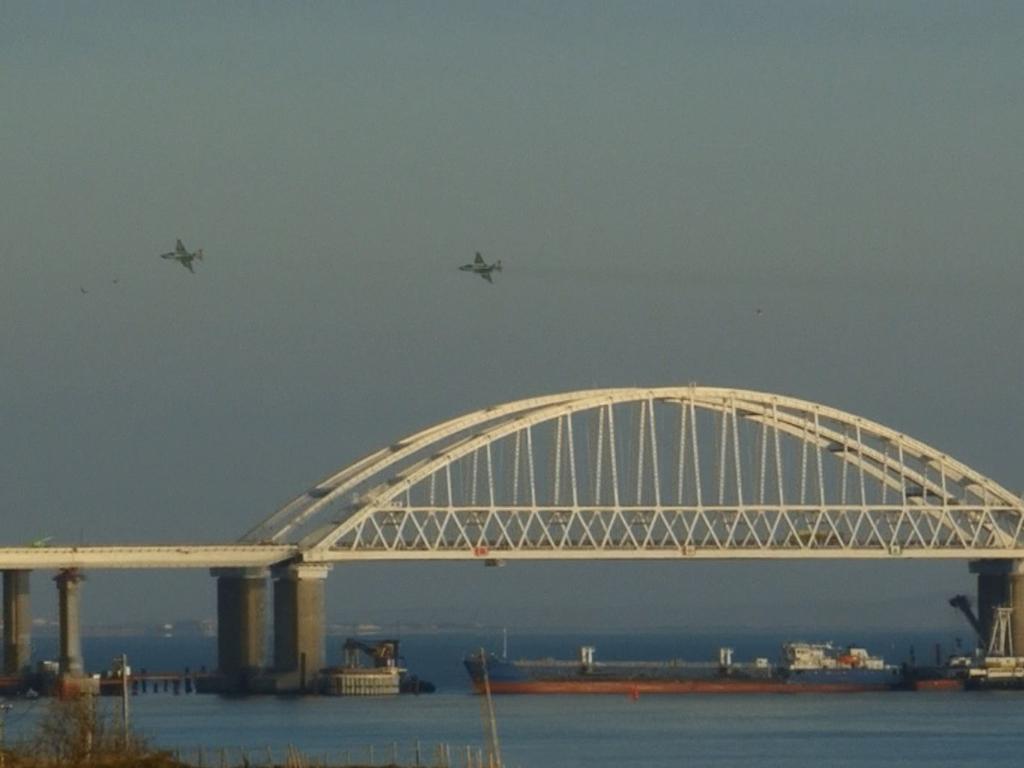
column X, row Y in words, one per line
column 74, row 733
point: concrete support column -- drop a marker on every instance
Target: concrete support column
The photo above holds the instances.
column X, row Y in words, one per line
column 241, row 622
column 1017, row 603
column 69, row 608
column 17, row 623
column 298, row 625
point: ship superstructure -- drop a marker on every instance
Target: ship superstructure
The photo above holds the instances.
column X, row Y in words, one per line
column 824, row 667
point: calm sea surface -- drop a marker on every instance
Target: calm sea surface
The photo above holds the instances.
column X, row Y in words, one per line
column 888, row 729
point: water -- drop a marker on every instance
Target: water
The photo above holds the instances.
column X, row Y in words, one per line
column 870, row 729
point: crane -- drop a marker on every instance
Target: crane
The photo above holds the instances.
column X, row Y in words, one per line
column 963, row 604
column 384, row 653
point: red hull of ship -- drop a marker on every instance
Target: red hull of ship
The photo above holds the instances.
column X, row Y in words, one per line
column 629, row 688
column 939, row 684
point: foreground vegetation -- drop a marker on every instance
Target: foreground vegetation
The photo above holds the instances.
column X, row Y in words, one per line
column 75, row 733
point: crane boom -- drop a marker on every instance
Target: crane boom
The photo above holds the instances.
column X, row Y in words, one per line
column 963, row 604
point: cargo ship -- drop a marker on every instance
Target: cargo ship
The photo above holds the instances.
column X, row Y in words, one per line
column 803, row 668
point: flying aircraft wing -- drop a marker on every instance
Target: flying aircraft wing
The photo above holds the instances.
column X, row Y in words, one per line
column 486, row 276
column 479, row 259
column 188, row 265
column 180, row 247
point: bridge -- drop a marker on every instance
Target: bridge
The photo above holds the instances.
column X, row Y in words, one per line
column 680, row 473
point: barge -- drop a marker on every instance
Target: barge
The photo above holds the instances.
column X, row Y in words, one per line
column 385, row 675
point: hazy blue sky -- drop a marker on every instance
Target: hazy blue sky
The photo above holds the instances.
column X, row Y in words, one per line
column 649, row 173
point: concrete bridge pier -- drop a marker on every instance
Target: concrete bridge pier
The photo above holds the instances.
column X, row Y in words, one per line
column 1001, row 583
column 241, row 623
column 69, row 610
column 17, row 623
column 298, row 625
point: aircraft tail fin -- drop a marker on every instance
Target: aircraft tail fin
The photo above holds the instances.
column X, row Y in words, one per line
column 199, row 254
column 497, row 265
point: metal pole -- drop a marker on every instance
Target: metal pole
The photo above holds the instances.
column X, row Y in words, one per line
column 90, row 708
column 4, row 709
column 124, row 700
column 490, row 720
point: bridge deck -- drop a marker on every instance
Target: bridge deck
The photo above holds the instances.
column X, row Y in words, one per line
column 146, row 556
column 263, row 556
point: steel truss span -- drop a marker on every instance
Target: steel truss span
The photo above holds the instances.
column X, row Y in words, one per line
column 691, row 472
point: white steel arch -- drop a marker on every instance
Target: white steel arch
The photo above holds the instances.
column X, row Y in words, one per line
column 671, row 472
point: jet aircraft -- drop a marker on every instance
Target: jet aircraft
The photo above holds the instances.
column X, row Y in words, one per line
column 181, row 254
column 482, row 268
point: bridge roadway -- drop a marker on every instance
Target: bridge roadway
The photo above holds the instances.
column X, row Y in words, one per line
column 146, row 556
column 265, row 556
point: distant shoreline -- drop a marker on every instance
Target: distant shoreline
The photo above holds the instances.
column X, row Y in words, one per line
column 169, row 632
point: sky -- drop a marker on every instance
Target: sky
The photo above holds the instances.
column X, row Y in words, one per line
column 651, row 174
